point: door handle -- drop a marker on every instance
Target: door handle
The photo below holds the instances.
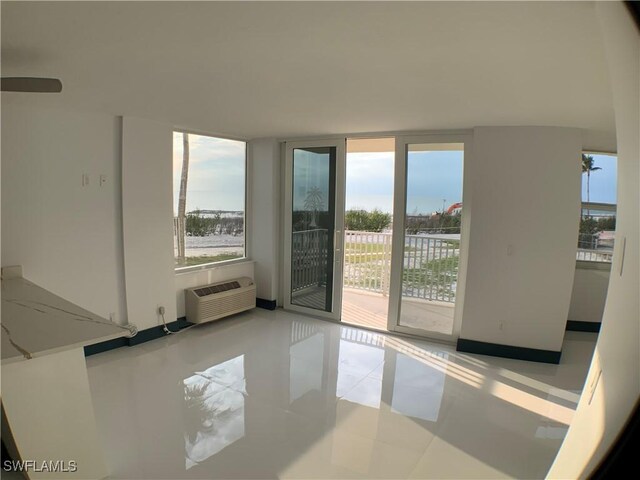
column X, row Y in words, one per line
column 336, row 239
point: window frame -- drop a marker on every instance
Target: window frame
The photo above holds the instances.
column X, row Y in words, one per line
column 246, row 217
column 595, row 264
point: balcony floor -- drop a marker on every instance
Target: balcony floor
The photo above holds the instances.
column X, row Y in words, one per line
column 369, row 309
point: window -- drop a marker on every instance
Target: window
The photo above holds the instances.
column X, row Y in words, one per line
column 208, row 199
column 598, row 218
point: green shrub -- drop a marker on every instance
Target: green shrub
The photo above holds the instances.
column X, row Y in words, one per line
column 588, row 225
column 199, row 226
column 364, row 221
column 437, row 223
column 607, row 223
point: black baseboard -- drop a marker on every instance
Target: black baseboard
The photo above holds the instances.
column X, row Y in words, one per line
column 578, row 326
column 508, row 351
column 141, row 337
column 267, row 304
column 105, row 346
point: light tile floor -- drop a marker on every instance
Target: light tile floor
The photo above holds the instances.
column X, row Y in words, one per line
column 370, row 309
column 278, row 395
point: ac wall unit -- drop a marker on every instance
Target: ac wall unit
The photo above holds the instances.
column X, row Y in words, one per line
column 218, row 300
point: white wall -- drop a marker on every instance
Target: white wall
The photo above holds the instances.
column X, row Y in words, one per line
column 265, row 208
column 70, row 238
column 600, row 416
column 147, row 219
column 589, row 293
column 524, row 223
column 67, row 237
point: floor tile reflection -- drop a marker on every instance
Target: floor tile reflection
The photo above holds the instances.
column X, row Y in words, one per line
column 278, row 395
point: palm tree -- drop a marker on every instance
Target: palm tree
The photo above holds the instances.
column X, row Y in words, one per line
column 313, row 202
column 182, row 199
column 588, row 167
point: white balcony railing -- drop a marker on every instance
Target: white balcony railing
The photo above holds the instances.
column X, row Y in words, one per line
column 430, row 263
column 309, row 253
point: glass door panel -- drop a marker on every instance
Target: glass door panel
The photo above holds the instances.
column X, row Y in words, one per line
column 314, row 246
column 428, row 237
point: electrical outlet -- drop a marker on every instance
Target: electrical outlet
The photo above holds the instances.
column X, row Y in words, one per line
column 85, row 179
column 112, row 317
column 161, row 310
column 103, row 179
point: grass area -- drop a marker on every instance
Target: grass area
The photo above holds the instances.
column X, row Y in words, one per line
column 451, row 243
column 364, row 257
column 361, row 253
column 199, row 260
column 361, row 247
column 437, row 275
column 365, row 275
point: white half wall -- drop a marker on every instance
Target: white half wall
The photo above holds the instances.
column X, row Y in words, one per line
column 67, row 236
column 147, row 219
column 589, row 293
column 612, row 387
column 525, row 210
column 264, row 156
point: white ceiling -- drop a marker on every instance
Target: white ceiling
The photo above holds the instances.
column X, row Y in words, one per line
column 300, row 69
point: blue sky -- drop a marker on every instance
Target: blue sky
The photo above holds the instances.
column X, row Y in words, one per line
column 603, row 182
column 432, row 177
column 370, row 181
column 216, row 173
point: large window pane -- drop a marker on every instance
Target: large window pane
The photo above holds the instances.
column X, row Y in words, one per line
column 209, row 199
column 313, row 216
column 432, row 236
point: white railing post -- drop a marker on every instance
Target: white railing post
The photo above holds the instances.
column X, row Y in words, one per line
column 386, row 263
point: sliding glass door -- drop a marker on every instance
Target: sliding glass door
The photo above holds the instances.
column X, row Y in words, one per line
column 424, row 247
column 314, row 206
column 428, row 252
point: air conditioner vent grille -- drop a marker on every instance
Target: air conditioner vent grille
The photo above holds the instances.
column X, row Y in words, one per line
column 222, row 287
column 205, row 303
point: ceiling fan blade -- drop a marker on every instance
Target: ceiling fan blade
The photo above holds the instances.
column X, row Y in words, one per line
column 31, row 84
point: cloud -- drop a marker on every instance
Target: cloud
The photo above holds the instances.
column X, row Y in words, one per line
column 216, row 172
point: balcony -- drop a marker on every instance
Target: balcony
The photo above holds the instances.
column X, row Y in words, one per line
column 428, row 282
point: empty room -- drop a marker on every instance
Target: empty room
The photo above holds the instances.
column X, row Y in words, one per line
column 319, row 239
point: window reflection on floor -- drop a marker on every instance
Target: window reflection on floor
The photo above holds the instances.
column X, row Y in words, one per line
column 417, row 389
column 213, row 410
column 357, row 358
column 306, row 366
